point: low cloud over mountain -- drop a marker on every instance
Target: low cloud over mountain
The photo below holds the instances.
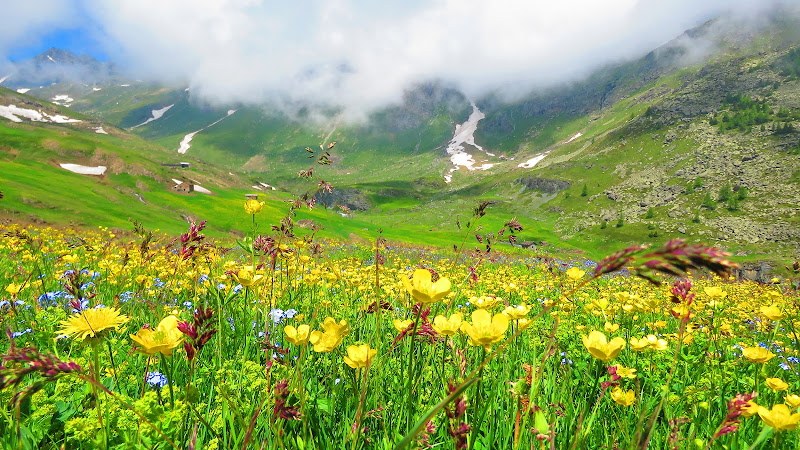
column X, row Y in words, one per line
column 361, row 55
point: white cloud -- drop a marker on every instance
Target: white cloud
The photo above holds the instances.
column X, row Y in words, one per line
column 25, row 21
column 362, row 54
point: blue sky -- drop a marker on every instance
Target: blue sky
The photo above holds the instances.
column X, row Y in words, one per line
column 77, row 40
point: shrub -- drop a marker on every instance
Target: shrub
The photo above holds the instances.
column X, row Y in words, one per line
column 724, row 193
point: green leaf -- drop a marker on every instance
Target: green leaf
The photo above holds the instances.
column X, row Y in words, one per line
column 766, row 432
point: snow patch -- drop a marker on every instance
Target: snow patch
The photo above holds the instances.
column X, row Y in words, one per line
column 257, row 187
column 4, row 78
column 574, row 137
column 267, row 186
column 465, row 135
column 13, row 113
column 533, row 161
column 185, row 143
column 97, row 89
column 23, row 90
column 62, row 99
column 124, row 85
column 201, row 189
column 176, row 181
column 157, row 114
column 100, row 130
column 51, row 59
column 84, row 170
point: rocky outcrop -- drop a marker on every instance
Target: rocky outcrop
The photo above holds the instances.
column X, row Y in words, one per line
column 354, row 199
column 544, row 185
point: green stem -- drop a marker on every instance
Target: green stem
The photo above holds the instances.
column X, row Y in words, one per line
column 409, row 371
column 96, row 375
column 167, row 368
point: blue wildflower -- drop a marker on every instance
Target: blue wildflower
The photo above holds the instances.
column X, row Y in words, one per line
column 156, row 379
column 17, row 334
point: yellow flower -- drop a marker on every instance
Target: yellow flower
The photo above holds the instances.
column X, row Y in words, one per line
column 600, row 348
column 780, row 417
column 13, row 289
column 447, row 327
column 623, row 398
column 681, row 311
column 575, row 274
column 772, row 312
column 626, row 372
column 70, row 259
column 757, row 354
column 359, row 356
column 715, row 292
column 610, row 327
column 517, row 312
column 656, row 343
column 91, row 323
column 751, row 409
column 247, row 277
column 297, row 336
column 792, row 400
column 401, row 325
column 485, row 302
column 332, row 336
column 252, row 206
column 485, row 329
column 776, row 384
column 421, row 288
column 161, row 340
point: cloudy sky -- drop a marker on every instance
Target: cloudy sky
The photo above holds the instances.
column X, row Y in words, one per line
column 356, row 53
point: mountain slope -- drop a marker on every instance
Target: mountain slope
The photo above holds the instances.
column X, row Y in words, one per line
column 672, row 144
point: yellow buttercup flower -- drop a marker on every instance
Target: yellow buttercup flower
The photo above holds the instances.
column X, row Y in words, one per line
column 297, row 336
column 611, row 327
column 751, row 409
column 639, row 345
column 252, row 206
column 625, row 372
column 601, row 348
column 247, row 277
column 792, row 400
column 780, row 417
column 485, row 302
column 656, row 343
column 359, row 356
column 423, row 290
column 517, row 312
column 776, row 384
column 332, row 336
column 70, row 259
column 91, row 323
column 623, row 398
column 13, row 289
column 575, row 274
column 715, row 293
column 485, row 329
column 771, row 312
column 758, row 355
column 401, row 325
column 162, row 340
column 447, row 327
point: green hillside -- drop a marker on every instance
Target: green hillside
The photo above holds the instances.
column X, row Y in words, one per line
column 667, row 145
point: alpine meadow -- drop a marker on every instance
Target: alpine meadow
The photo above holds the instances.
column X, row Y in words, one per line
column 401, row 225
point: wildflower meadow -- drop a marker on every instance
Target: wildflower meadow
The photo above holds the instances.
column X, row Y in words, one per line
column 283, row 340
